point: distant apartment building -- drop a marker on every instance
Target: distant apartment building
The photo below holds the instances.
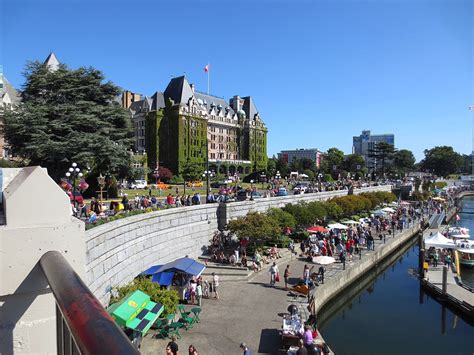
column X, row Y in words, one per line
column 128, row 98
column 366, row 142
column 311, row 153
column 181, row 125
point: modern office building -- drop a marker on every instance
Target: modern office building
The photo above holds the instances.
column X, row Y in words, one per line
column 181, row 125
column 297, row 154
column 366, row 142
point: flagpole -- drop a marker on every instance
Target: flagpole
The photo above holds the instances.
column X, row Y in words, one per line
column 208, row 74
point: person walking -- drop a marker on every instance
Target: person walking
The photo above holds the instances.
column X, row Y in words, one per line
column 286, row 275
column 273, row 274
column 246, row 350
column 215, row 285
column 199, row 293
column 172, row 346
column 192, row 350
column 306, row 275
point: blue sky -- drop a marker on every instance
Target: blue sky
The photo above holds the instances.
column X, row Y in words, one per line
column 320, row 71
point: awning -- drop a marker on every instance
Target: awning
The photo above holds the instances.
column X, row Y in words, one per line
column 337, row 226
column 316, row 229
column 186, row 265
column 164, row 278
column 151, row 271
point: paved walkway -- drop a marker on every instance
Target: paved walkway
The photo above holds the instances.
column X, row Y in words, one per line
column 246, row 311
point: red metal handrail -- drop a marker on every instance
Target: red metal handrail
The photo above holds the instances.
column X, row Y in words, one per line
column 92, row 328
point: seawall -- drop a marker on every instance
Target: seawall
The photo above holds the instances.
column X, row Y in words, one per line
column 118, row 251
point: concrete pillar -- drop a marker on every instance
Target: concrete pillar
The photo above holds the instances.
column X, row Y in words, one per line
column 37, row 218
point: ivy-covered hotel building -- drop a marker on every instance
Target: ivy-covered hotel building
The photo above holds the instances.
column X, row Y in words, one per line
column 181, row 126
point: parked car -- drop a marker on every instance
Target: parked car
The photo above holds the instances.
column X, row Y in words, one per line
column 137, row 184
column 282, row 192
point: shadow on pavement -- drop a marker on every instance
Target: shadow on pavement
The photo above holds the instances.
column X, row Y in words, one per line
column 270, row 342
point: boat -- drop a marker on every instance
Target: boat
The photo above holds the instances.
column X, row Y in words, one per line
column 465, row 249
column 458, row 233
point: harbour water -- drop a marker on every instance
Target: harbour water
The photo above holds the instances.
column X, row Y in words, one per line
column 387, row 312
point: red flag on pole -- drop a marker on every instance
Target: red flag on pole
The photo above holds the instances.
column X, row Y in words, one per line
column 206, row 68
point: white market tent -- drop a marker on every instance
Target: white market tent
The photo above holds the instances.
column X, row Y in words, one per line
column 350, row 222
column 388, row 209
column 337, row 226
column 438, row 241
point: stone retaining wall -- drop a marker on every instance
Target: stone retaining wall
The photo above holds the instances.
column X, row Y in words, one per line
column 120, row 250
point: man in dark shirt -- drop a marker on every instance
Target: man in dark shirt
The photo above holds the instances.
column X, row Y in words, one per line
column 173, row 346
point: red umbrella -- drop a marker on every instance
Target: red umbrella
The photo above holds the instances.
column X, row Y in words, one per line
column 316, row 229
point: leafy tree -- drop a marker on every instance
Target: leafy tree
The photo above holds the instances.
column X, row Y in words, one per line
column 283, row 218
column 354, row 163
column 271, row 166
column 310, row 173
column 306, row 164
column 282, row 167
column 165, row 174
column 255, row 226
column 303, row 215
column 442, row 161
column 69, row 116
column 382, row 152
column 168, row 298
column 403, row 161
column 192, row 171
column 9, row 164
column 333, row 158
column 467, row 164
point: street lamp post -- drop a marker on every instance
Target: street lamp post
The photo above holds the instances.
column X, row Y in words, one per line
column 101, row 182
column 207, row 175
column 277, row 178
column 251, row 190
column 320, row 176
column 263, row 178
column 73, row 173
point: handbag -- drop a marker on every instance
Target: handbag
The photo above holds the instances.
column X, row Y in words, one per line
column 277, row 277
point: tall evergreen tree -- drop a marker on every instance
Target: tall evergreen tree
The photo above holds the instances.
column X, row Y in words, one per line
column 69, row 116
column 382, row 152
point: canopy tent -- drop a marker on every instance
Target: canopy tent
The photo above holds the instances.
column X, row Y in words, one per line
column 388, row 209
column 303, row 176
column 337, row 226
column 186, row 265
column 350, row 222
column 136, row 311
column 438, row 241
column 164, row 278
column 379, row 213
column 324, row 260
column 316, row 229
column 151, row 271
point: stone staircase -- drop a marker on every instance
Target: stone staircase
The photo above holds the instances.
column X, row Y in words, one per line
column 228, row 273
